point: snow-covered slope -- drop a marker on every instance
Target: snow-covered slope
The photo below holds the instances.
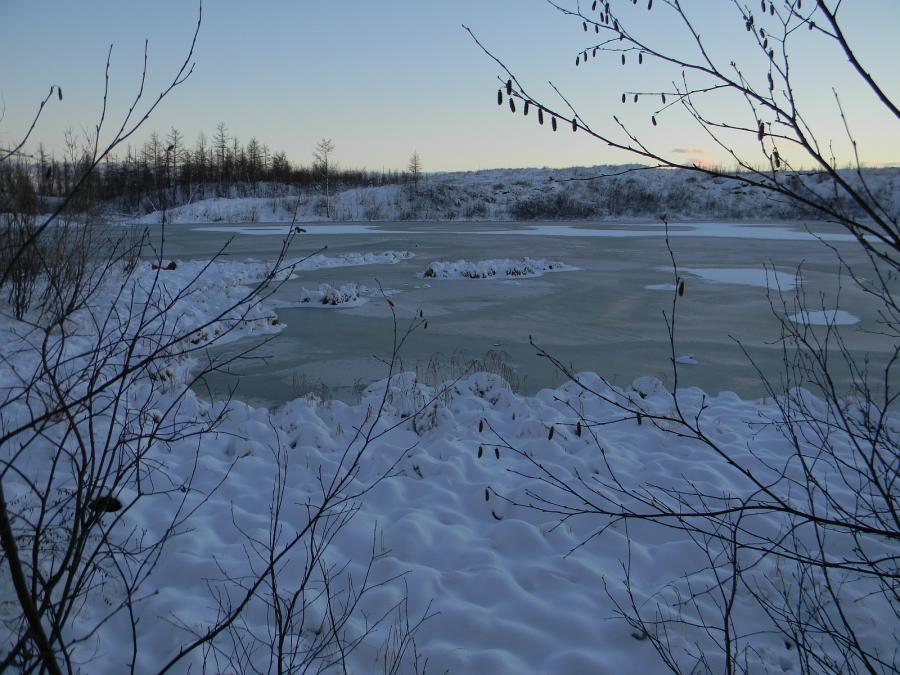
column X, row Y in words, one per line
column 601, row 192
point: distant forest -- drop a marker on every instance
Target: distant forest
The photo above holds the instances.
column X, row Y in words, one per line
column 166, row 174
column 166, row 171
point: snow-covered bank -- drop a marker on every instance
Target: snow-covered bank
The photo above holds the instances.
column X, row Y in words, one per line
column 493, row 269
column 507, row 598
column 596, row 193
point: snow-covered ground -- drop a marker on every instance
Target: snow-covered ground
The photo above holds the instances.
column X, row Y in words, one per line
column 511, row 589
column 531, row 194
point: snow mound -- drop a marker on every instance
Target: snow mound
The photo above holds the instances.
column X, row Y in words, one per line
column 346, row 295
column 319, row 262
column 491, row 269
column 829, row 317
column 687, row 360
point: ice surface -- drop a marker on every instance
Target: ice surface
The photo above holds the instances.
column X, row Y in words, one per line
column 836, row 317
column 743, row 276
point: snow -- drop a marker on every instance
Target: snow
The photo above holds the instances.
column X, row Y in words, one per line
column 324, row 295
column 661, row 287
column 687, row 360
column 507, row 597
column 321, row 261
column 828, row 317
column 743, row 276
column 577, row 193
column 493, row 269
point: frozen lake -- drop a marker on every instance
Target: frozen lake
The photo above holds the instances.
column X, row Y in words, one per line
column 606, row 317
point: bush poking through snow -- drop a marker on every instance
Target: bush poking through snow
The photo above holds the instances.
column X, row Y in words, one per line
column 491, row 269
column 326, row 294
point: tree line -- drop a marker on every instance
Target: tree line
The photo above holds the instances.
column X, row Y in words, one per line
column 167, row 171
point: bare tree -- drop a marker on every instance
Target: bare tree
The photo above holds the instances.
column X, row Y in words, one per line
column 324, row 167
column 782, row 139
column 97, row 390
column 414, row 167
column 826, row 513
column 220, row 147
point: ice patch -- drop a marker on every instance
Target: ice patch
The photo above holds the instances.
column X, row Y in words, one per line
column 717, row 230
column 660, row 287
column 835, row 317
column 284, row 230
column 743, row 276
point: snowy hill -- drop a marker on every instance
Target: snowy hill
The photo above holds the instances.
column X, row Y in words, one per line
column 526, row 194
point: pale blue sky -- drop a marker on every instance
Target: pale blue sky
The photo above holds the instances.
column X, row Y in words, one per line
column 385, row 78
